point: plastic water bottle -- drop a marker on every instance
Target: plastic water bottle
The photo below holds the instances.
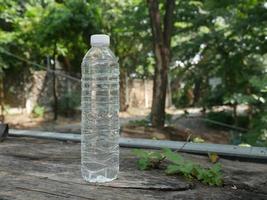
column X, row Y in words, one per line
column 100, row 107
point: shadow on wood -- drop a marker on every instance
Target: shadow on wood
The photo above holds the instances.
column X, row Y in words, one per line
column 3, row 131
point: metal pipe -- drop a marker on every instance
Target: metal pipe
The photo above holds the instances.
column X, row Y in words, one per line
column 199, row 148
column 224, row 125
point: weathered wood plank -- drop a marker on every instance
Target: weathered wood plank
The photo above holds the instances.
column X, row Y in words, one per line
column 60, row 163
column 48, row 169
column 16, row 183
column 32, row 187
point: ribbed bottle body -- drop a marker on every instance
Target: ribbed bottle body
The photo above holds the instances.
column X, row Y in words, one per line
column 100, row 121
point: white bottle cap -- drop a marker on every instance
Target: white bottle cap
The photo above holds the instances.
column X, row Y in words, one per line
column 100, row 40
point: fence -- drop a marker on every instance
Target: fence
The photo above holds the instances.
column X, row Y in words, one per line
column 31, row 88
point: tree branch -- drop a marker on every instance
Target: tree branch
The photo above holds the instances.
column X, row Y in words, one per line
column 168, row 22
column 154, row 15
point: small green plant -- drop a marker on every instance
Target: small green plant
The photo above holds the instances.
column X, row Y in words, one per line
column 38, row 111
column 178, row 165
column 148, row 160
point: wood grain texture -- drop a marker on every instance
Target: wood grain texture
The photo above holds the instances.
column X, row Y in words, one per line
column 48, row 169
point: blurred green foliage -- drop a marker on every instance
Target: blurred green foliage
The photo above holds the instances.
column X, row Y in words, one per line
column 38, row 111
column 68, row 103
column 225, row 40
column 212, row 40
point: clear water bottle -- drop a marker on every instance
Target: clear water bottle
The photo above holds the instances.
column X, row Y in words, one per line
column 100, row 107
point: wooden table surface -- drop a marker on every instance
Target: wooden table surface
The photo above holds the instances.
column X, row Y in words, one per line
column 37, row 169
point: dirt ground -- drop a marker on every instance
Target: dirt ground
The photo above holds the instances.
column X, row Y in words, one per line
column 182, row 126
column 64, row 124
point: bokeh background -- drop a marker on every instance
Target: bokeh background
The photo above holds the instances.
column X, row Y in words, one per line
column 187, row 68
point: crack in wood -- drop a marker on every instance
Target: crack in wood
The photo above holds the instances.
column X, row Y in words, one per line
column 150, row 188
column 190, row 186
column 23, row 156
column 54, row 194
column 247, row 188
column 40, row 191
column 38, row 158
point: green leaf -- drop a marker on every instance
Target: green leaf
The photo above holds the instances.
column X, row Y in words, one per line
column 173, row 157
column 187, row 168
column 216, row 168
column 172, row 169
column 143, row 164
column 140, row 153
column 148, row 160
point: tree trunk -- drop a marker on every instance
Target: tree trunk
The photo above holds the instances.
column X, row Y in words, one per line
column 123, row 85
column 65, row 63
column 169, row 94
column 161, row 43
column 54, row 85
column 235, row 114
column 196, row 91
column 2, row 117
